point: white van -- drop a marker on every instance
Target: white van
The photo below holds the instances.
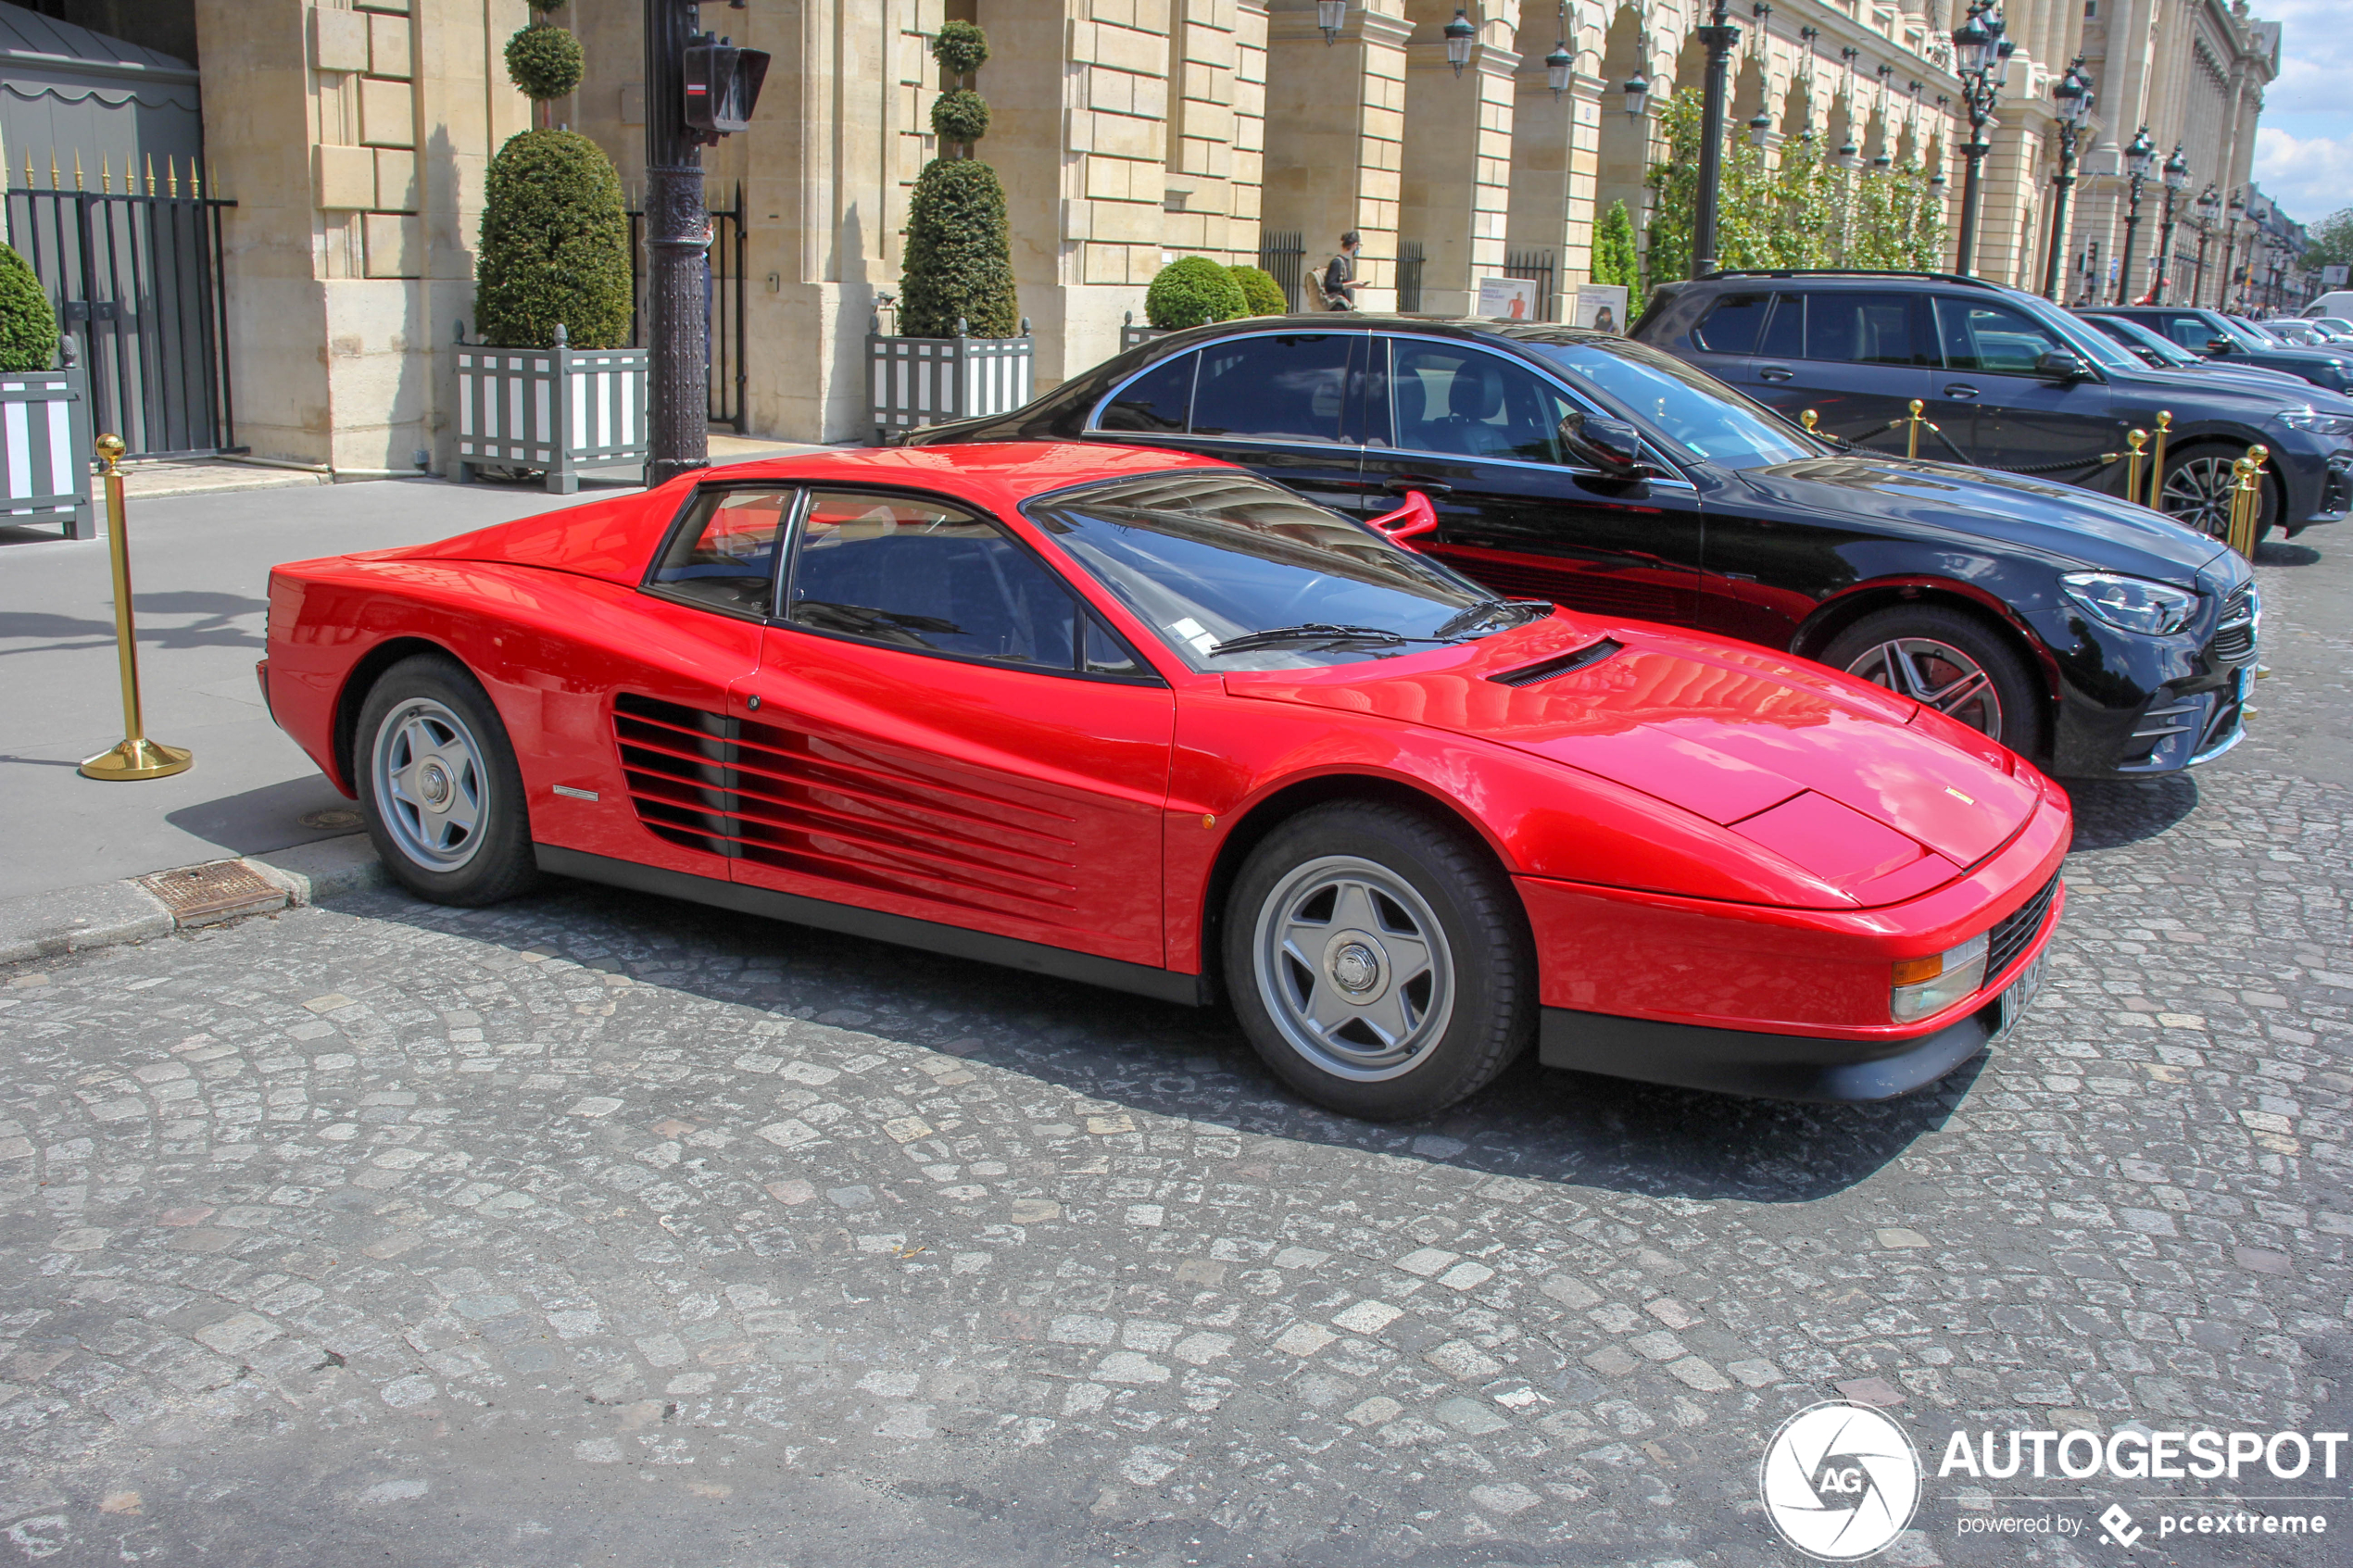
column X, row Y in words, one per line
column 2338, row 301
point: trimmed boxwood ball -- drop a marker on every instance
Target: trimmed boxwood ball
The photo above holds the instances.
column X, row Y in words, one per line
column 554, row 246
column 961, row 48
column 544, row 61
column 959, row 255
column 961, row 116
column 1192, row 290
column 1260, row 292
column 28, row 327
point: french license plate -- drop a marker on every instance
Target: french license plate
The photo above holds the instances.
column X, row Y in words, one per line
column 2013, row 1002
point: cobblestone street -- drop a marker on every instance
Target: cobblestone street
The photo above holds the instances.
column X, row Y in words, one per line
column 597, row 1229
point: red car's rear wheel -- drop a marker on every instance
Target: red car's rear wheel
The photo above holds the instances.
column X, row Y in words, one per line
column 440, row 787
column 1378, row 962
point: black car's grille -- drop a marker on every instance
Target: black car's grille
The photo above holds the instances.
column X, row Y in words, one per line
column 2235, row 634
column 2009, row 938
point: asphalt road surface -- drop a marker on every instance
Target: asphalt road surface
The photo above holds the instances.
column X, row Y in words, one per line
column 596, row 1229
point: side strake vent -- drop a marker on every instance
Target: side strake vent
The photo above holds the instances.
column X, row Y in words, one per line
column 1544, row 670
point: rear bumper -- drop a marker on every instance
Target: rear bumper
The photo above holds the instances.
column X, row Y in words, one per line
column 1735, row 1061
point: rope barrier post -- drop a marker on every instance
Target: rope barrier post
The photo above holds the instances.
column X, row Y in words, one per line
column 2157, row 460
column 2136, row 439
column 2246, row 500
column 136, row 757
column 1912, row 432
column 1809, row 419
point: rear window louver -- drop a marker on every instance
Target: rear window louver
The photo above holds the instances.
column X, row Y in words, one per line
column 1544, row 670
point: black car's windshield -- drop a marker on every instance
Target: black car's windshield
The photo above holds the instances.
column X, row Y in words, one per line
column 1687, row 406
column 2140, row 337
column 1235, row 573
column 2253, row 331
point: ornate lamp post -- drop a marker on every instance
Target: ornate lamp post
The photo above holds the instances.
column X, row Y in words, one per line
column 2207, row 204
column 2071, row 97
column 1980, row 57
column 2140, row 161
column 1720, row 38
column 2177, row 179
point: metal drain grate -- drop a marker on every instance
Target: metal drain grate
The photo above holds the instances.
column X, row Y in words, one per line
column 218, row 891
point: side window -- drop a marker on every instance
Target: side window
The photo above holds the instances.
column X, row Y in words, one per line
column 1108, row 654
column 725, row 555
column 924, row 575
column 1734, row 325
column 1997, row 339
column 1158, row 402
column 1860, row 327
column 1479, row 404
column 2190, row 332
column 1292, row 387
column 1785, row 333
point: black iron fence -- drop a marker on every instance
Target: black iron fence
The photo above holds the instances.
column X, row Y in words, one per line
column 1537, row 266
column 1283, row 257
column 723, row 307
column 135, row 277
column 1409, row 276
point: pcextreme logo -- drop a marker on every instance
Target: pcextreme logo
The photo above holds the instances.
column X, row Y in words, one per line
column 1839, row 1480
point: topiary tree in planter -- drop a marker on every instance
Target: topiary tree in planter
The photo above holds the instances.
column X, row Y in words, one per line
column 27, row 326
column 959, row 264
column 554, row 245
column 1261, row 295
column 1192, row 290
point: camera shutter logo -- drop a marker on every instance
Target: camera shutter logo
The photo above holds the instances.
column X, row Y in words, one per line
column 1839, row 1480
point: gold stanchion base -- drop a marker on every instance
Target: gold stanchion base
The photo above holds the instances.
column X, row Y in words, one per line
column 138, row 760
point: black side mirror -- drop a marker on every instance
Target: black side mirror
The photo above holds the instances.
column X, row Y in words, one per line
column 1612, row 445
column 2062, row 364
column 2218, row 345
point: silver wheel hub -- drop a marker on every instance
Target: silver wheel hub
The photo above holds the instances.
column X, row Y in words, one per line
column 1353, row 968
column 1934, row 674
column 431, row 784
column 2198, row 494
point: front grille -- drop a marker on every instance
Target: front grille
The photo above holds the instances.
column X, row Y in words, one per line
column 2010, row 935
column 1545, row 668
column 2234, row 633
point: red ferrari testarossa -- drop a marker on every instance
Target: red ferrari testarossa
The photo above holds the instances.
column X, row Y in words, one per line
column 1149, row 721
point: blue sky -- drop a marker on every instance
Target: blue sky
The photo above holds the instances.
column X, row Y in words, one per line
column 2304, row 143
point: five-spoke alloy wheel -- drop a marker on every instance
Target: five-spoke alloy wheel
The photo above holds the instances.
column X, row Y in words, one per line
column 440, row 787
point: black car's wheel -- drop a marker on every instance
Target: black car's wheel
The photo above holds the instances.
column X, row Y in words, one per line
column 1949, row 660
column 1380, row 963
column 438, row 785
column 2195, row 491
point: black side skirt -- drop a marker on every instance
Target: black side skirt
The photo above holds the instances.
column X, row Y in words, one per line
column 1161, row 984
column 1767, row 1066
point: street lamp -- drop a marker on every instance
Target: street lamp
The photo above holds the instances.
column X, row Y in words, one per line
column 2071, row 97
column 2140, row 161
column 1720, row 38
column 2210, row 202
column 2177, row 179
column 1848, row 154
column 1560, row 63
column 1331, row 16
column 1459, row 34
column 1981, row 58
column 1760, row 128
column 1636, row 89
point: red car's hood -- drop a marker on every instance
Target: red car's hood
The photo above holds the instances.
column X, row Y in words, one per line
column 1855, row 784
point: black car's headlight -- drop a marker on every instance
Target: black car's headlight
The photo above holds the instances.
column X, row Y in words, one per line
column 2130, row 604
column 2318, row 423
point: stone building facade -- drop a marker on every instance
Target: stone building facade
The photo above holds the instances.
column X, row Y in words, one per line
column 355, row 135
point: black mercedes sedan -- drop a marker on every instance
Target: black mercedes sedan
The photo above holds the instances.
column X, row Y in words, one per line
column 2094, row 636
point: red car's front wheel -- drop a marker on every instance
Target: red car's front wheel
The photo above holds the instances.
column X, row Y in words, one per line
column 1378, row 962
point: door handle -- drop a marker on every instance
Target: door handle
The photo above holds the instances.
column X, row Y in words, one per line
column 1776, row 372
column 1959, row 389
column 1404, row 482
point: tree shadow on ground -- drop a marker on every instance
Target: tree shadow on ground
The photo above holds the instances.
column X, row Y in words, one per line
column 1193, row 1063
column 214, row 623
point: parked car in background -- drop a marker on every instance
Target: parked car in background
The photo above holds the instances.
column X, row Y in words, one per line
column 1590, row 470
column 2164, row 354
column 2338, row 325
column 1144, row 721
column 2298, row 334
column 2233, row 340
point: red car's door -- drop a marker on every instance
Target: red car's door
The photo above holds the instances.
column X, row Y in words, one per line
column 942, row 731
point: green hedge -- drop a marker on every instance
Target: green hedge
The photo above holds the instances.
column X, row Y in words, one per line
column 554, row 246
column 28, row 327
column 960, row 257
column 960, row 115
column 544, row 61
column 1192, row 290
column 961, row 48
column 1261, row 295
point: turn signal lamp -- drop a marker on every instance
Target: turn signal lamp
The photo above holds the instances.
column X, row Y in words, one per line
column 1919, row 987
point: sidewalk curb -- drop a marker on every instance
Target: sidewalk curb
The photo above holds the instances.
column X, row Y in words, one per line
column 107, row 914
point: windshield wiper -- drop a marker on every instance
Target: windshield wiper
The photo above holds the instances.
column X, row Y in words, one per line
column 1313, row 631
column 1531, row 609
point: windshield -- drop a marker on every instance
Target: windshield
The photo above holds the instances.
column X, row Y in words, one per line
column 2133, row 331
column 1235, row 573
column 1689, row 408
column 2252, row 331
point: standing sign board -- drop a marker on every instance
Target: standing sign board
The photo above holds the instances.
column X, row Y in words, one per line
column 1508, row 299
column 1600, row 307
column 2334, row 277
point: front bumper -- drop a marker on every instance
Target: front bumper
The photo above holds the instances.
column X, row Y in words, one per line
column 2131, row 706
column 1735, row 1061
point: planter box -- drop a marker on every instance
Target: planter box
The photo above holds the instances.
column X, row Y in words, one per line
column 560, row 410
column 913, row 382
column 1130, row 334
column 44, row 450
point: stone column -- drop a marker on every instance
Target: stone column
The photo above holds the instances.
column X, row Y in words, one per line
column 1555, row 157
column 1212, row 179
column 1334, row 125
column 1458, row 156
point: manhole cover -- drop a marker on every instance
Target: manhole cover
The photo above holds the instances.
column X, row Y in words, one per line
column 218, row 891
column 335, row 817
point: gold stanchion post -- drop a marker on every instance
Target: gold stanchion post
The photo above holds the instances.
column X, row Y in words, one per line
column 1809, row 419
column 2246, row 499
column 2136, row 439
column 2157, row 460
column 137, row 757
column 1912, row 432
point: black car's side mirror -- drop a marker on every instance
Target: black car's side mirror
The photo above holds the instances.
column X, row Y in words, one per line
column 2218, row 345
column 1612, row 445
column 2061, row 364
